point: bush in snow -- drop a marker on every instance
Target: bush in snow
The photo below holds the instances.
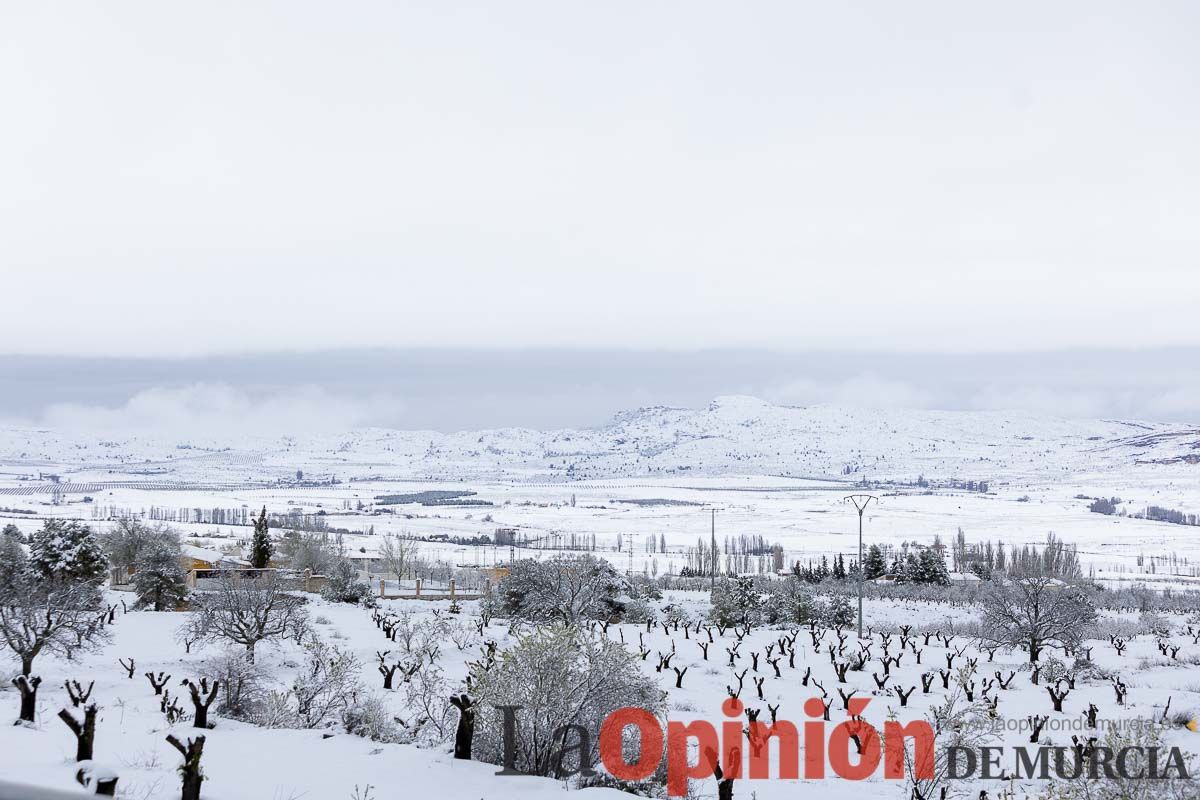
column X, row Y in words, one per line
column 737, row 602
column 564, row 589
column 840, row 613
column 343, row 585
column 677, row 614
column 644, row 588
column 955, row 723
column 324, row 689
column 1136, row 739
column 1149, row 622
column 244, row 685
column 557, row 674
column 65, row 550
column 791, row 602
column 638, row 611
column 430, row 718
column 326, row 686
column 1053, row 670
column 368, row 716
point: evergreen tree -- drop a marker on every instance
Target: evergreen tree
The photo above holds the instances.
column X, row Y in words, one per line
column 68, row 551
column 159, row 579
column 11, row 531
column 839, row 613
column 933, row 568
column 839, row 567
column 13, row 562
column 874, row 563
column 736, row 602
column 261, row 548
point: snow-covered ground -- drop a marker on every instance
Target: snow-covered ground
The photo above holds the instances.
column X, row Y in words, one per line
column 244, row 762
column 778, row 472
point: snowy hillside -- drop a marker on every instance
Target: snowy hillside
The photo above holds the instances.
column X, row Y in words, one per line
column 731, row 435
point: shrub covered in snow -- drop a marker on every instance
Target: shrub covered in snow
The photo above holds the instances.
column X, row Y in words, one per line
column 564, row 589
column 556, row 674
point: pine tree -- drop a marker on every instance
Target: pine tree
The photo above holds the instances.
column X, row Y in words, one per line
column 839, row 567
column 874, row 564
column 159, row 580
column 68, row 551
column 13, row 561
column 840, row 613
column 932, row 568
column 261, row 548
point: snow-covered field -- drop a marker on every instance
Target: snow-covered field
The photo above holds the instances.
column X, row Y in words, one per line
column 777, row 471
column 654, row 475
column 244, row 762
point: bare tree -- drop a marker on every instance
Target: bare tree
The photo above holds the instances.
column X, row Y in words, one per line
column 38, row 615
column 245, row 611
column 130, row 539
column 396, row 553
column 1035, row 611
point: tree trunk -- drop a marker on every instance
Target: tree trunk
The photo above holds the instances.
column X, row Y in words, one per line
column 29, row 689
column 85, row 734
column 464, row 734
column 202, row 697
column 1035, row 649
column 190, row 769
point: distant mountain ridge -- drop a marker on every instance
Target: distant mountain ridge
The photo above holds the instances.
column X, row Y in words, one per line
column 732, row 435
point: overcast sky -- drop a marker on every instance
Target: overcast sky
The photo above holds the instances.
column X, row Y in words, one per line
column 240, row 176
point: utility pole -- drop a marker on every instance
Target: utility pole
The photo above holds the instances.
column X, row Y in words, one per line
column 860, row 502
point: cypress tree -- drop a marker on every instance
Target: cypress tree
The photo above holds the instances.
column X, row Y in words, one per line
column 261, row 549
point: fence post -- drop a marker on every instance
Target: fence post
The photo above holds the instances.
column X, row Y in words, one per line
column 418, row 594
column 451, row 588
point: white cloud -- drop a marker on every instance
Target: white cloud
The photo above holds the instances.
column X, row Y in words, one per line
column 866, row 391
column 220, row 410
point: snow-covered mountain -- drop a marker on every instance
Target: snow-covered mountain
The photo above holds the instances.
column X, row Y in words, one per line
column 731, row 435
